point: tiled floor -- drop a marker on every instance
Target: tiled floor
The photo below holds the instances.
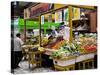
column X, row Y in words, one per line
column 24, row 68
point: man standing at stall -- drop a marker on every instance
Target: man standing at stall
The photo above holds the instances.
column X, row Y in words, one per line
column 17, row 56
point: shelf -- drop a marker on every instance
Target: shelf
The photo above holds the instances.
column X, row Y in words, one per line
column 79, row 19
column 84, row 30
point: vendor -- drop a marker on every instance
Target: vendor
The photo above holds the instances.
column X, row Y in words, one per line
column 54, row 33
column 64, row 31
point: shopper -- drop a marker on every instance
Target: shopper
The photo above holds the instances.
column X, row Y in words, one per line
column 17, row 56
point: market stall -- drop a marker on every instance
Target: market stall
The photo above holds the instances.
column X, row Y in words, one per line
column 67, row 39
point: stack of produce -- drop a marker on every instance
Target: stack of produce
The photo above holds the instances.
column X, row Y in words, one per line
column 40, row 48
column 58, row 44
column 89, row 44
column 44, row 41
column 91, row 48
column 55, row 43
column 66, row 50
column 28, row 42
column 32, row 41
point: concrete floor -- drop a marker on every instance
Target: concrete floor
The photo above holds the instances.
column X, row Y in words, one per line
column 24, row 69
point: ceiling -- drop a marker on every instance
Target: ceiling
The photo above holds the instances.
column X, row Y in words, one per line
column 17, row 8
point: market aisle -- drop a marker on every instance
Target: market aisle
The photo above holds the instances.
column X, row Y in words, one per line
column 24, row 68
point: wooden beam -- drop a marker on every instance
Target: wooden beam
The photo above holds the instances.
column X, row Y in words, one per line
column 40, row 30
column 70, row 23
column 34, row 4
column 25, row 30
column 83, row 6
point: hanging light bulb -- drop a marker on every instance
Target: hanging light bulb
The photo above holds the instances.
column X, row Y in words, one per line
column 82, row 16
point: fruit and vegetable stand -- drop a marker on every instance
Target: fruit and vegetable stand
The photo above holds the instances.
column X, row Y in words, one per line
column 68, row 62
column 65, row 54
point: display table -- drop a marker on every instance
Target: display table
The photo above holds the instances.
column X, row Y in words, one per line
column 68, row 63
column 26, row 49
column 29, row 46
column 33, row 55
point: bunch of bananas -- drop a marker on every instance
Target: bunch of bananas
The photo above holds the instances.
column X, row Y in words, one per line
column 44, row 41
column 40, row 48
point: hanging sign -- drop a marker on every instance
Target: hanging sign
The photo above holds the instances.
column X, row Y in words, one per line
column 66, row 15
column 39, row 9
column 26, row 13
column 76, row 13
column 58, row 17
column 42, row 19
column 50, row 18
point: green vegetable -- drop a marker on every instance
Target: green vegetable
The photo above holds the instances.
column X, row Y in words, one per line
column 68, row 49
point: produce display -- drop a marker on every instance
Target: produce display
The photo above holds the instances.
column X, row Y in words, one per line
column 40, row 48
column 32, row 41
column 85, row 44
column 55, row 43
column 61, row 49
column 44, row 41
column 59, row 44
column 91, row 48
column 88, row 43
column 67, row 50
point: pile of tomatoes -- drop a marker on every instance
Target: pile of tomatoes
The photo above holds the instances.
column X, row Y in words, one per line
column 90, row 48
